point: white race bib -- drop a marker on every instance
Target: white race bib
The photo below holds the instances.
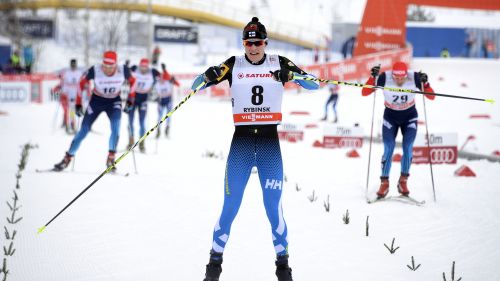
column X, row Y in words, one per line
column 164, row 89
column 256, row 96
column 108, row 86
column 144, row 82
column 71, row 82
column 399, row 100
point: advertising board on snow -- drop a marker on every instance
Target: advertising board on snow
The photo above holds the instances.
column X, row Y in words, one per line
column 443, row 149
column 337, row 136
column 15, row 92
column 26, row 88
column 291, row 132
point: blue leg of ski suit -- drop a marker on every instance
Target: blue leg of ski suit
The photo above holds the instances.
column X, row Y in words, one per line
column 141, row 104
column 164, row 107
column 333, row 100
column 393, row 120
column 253, row 146
column 113, row 108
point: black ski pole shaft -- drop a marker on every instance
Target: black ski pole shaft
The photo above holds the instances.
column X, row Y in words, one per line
column 131, row 133
column 370, row 147
column 401, row 90
column 429, row 147
column 41, row 229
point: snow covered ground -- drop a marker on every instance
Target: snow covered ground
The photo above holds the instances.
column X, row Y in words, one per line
column 157, row 224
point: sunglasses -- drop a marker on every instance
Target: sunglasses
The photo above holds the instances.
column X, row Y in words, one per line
column 255, row 43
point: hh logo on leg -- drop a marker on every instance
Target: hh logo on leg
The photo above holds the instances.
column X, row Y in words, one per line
column 273, row 184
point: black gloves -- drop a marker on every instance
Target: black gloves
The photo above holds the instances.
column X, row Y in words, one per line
column 163, row 67
column 375, row 71
column 212, row 74
column 129, row 106
column 78, row 110
column 282, row 75
column 423, row 77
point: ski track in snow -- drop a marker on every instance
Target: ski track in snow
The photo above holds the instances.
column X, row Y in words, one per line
column 157, row 225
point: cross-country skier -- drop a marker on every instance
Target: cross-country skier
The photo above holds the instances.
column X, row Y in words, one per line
column 108, row 79
column 257, row 82
column 400, row 113
column 70, row 88
column 164, row 90
column 145, row 80
column 333, row 99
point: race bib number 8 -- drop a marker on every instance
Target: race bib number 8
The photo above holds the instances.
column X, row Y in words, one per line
column 257, row 97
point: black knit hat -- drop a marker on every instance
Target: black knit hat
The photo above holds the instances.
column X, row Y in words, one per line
column 254, row 30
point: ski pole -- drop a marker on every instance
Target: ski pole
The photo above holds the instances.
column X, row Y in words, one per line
column 54, row 120
column 401, row 90
column 41, row 229
column 429, row 147
column 370, row 147
column 133, row 153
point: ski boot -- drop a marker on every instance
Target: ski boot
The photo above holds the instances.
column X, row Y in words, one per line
column 283, row 271
column 384, row 187
column 335, row 120
column 68, row 129
column 64, row 163
column 142, row 147
column 402, row 185
column 214, row 267
column 111, row 160
column 167, row 128
column 324, row 118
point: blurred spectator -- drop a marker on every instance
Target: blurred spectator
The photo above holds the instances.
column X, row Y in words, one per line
column 348, row 47
column 445, row 53
column 469, row 43
column 15, row 62
column 316, row 55
column 156, row 55
column 487, row 48
column 28, row 58
column 490, row 48
column 327, row 56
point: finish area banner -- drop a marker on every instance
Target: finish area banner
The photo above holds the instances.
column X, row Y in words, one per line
column 383, row 26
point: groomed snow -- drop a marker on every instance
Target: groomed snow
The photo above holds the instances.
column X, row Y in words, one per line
column 157, row 225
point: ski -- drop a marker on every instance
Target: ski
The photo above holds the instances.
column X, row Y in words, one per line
column 52, row 170
column 400, row 198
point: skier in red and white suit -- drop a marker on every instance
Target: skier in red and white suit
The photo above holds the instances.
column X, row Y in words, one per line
column 400, row 113
column 70, row 89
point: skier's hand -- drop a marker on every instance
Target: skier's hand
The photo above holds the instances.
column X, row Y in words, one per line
column 163, row 67
column 375, row 71
column 128, row 106
column 212, row 74
column 78, row 110
column 282, row 75
column 423, row 77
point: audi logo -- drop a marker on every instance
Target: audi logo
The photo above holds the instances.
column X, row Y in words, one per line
column 442, row 155
column 350, row 143
column 13, row 95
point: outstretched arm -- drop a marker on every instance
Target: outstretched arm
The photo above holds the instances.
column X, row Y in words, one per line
column 215, row 74
column 287, row 64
